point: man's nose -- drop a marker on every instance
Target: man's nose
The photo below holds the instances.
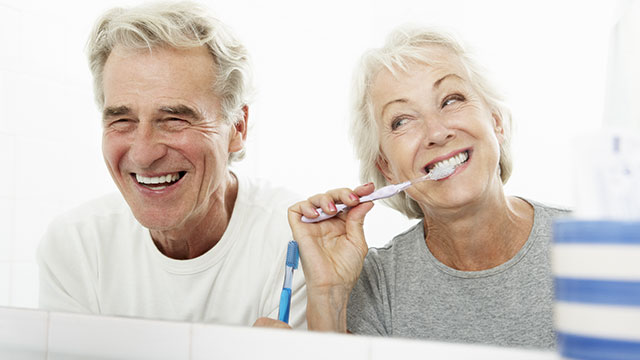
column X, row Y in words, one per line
column 147, row 146
column 437, row 132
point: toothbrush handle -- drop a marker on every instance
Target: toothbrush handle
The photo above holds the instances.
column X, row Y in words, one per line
column 323, row 215
column 285, row 305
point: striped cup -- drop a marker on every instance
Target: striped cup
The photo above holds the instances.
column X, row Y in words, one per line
column 596, row 265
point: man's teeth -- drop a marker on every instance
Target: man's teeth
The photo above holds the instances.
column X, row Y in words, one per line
column 453, row 161
column 169, row 178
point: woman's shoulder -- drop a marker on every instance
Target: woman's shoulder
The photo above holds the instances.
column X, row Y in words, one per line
column 401, row 244
column 549, row 209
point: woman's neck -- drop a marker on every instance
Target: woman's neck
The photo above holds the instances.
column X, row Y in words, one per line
column 480, row 236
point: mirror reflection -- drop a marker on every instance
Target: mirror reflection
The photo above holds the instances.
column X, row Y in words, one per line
column 179, row 224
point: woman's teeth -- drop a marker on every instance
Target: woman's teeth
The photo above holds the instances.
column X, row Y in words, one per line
column 452, row 161
column 153, row 182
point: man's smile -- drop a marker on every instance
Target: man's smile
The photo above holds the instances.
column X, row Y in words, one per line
column 159, row 182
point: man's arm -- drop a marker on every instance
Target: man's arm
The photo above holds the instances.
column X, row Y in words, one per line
column 64, row 272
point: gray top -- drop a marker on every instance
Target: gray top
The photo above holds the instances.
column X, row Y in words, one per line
column 405, row 291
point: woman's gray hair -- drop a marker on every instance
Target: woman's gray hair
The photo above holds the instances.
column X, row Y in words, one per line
column 404, row 46
column 178, row 25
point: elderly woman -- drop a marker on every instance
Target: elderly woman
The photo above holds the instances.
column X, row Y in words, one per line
column 476, row 267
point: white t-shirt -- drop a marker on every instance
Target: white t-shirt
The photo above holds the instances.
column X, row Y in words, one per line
column 98, row 259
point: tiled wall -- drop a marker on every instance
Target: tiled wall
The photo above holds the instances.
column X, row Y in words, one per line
column 31, row 335
column 49, row 135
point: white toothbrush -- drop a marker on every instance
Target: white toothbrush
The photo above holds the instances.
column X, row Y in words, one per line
column 387, row 191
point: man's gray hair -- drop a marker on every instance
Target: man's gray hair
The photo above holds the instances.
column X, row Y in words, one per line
column 406, row 45
column 178, row 25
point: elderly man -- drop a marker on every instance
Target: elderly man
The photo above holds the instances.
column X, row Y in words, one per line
column 192, row 241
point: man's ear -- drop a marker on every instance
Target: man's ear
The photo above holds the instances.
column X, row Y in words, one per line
column 383, row 166
column 239, row 131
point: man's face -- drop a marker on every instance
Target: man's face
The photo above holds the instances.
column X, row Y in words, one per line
column 164, row 141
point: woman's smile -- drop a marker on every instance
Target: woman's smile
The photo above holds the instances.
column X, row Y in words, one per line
column 455, row 160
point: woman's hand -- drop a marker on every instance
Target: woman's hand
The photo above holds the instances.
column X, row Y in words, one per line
column 332, row 253
column 271, row 323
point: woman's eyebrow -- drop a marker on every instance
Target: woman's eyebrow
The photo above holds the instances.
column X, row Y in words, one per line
column 384, row 108
column 438, row 82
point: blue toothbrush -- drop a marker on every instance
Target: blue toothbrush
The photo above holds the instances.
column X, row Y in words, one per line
column 285, row 296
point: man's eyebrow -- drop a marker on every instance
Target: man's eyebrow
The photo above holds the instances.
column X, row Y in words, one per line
column 114, row 111
column 181, row 110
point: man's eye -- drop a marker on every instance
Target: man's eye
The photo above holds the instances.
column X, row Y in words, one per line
column 120, row 124
column 175, row 123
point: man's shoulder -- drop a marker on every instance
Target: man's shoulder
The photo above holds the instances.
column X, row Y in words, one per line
column 107, row 206
column 87, row 227
column 265, row 195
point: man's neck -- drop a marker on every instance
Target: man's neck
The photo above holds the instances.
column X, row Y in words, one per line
column 195, row 238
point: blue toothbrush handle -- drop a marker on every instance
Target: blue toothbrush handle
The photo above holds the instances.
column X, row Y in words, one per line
column 285, row 305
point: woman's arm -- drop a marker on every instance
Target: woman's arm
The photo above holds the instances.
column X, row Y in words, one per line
column 332, row 253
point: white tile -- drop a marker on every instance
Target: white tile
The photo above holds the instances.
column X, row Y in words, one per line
column 7, row 163
column 32, row 216
column 23, row 334
column 73, row 336
column 37, row 105
column 386, row 348
column 53, row 170
column 5, row 283
column 226, row 342
column 24, row 285
column 11, row 24
column 7, row 227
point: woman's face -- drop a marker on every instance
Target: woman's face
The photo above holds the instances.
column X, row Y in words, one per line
column 431, row 114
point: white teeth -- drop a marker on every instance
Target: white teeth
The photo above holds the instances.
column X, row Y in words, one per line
column 157, row 179
column 453, row 161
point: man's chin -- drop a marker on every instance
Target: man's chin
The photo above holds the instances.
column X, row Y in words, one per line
column 155, row 222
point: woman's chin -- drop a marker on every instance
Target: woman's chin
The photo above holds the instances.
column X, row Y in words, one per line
column 448, row 200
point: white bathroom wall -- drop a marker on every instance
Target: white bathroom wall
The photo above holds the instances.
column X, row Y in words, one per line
column 549, row 57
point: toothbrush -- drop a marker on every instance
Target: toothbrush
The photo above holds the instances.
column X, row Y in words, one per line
column 438, row 173
column 290, row 265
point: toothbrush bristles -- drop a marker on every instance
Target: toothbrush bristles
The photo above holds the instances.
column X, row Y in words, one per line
column 440, row 172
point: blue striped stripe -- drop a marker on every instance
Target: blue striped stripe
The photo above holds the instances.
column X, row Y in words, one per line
column 596, row 232
column 590, row 348
column 598, row 291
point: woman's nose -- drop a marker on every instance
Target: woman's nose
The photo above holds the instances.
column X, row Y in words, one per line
column 437, row 133
column 147, row 146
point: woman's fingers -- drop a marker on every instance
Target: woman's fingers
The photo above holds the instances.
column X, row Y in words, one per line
column 327, row 202
column 363, row 190
column 354, row 225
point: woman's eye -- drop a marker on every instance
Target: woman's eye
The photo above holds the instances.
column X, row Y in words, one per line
column 451, row 99
column 397, row 122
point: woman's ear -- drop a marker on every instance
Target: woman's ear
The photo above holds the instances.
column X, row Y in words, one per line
column 498, row 127
column 383, row 166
